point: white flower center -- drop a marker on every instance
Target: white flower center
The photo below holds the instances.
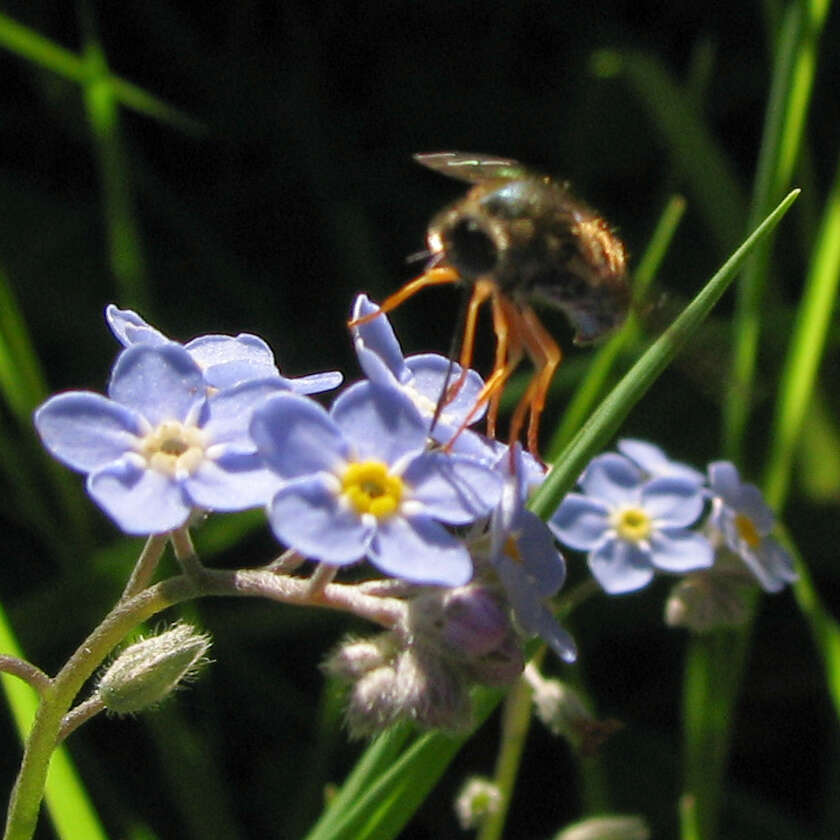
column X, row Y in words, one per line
column 173, row 449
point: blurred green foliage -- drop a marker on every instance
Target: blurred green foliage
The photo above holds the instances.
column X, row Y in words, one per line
column 247, row 168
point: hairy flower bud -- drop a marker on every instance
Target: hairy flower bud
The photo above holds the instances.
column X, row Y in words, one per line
column 563, row 711
column 606, row 828
column 354, row 658
column 146, row 672
column 413, row 687
column 479, row 798
column 704, row 601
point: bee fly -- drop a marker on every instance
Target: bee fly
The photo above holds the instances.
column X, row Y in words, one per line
column 516, row 238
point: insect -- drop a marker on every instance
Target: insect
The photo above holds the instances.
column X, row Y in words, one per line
column 517, row 238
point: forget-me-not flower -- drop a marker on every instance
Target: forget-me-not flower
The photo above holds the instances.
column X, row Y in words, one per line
column 525, row 558
column 655, row 462
column 225, row 360
column 359, row 481
column 159, row 447
column 742, row 517
column 631, row 526
column 423, row 378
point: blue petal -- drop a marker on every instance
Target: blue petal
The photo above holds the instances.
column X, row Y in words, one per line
column 379, row 423
column 672, row 502
column 376, row 345
column 771, row 565
column 140, row 501
column 297, row 437
column 306, row 515
column 655, row 462
column 211, row 350
column 129, row 328
column 229, row 412
column 680, row 551
column 160, row 383
column 581, row 522
column 452, row 488
column 233, row 481
column 315, row 383
column 431, row 375
column 419, row 550
column 751, row 503
column 620, row 567
column 613, row 479
column 86, row 431
column 725, row 482
column 540, row 557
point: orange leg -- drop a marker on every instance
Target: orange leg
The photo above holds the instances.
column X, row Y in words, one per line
column 481, row 291
column 546, row 356
column 508, row 354
column 432, row 277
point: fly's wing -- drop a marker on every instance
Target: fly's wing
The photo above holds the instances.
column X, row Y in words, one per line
column 473, row 168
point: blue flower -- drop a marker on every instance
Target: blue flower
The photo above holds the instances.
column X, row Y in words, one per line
column 741, row 516
column 422, row 378
column 160, row 447
column 655, row 462
column 631, row 525
column 359, row 482
column 224, row 359
column 524, row 556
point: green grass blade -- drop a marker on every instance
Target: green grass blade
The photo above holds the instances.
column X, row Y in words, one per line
column 21, row 379
column 124, row 240
column 806, row 350
column 384, row 806
column 787, row 108
column 23, row 388
column 597, row 377
column 711, row 182
column 604, row 422
column 374, row 762
column 32, row 46
column 69, row 807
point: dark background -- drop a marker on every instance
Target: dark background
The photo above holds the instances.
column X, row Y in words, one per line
column 302, row 192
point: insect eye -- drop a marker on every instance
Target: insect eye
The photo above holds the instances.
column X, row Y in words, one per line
column 470, row 250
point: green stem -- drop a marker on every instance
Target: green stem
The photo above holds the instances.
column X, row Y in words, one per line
column 25, row 802
column 515, row 725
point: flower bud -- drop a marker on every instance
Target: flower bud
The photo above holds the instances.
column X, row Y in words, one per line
column 563, row 711
column 499, row 667
column 146, row 672
column 474, row 622
column 704, row 601
column 607, row 828
column 414, row 687
column 354, row 658
column 478, row 799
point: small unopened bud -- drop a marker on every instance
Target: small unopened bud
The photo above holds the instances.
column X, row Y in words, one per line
column 499, row 667
column 607, row 828
column 478, row 799
column 474, row 621
column 415, row 688
column 355, row 657
column 557, row 705
column 146, row 672
column 563, row 711
column 704, row 601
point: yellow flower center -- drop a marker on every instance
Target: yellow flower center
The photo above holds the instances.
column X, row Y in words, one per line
column 173, row 449
column 371, row 488
column 632, row 524
column 746, row 530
